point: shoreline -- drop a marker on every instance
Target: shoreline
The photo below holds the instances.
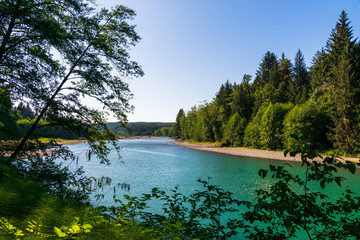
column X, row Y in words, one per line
column 247, row 152
column 77, row 141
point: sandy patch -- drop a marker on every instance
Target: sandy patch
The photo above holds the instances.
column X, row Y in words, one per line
column 245, row 152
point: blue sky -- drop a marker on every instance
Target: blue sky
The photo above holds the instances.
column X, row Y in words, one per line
column 190, row 47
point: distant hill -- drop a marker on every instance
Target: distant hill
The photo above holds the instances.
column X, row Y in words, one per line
column 138, row 128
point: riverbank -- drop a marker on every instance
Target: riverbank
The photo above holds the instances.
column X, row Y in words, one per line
column 77, row 141
column 245, row 152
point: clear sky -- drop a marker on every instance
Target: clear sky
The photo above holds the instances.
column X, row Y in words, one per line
column 190, row 47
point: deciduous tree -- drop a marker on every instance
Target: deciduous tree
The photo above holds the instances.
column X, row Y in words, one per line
column 92, row 62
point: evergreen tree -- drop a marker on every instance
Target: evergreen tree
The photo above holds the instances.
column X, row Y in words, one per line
column 319, row 71
column 267, row 81
column 265, row 70
column 177, row 126
column 223, row 100
column 343, row 85
column 300, row 89
column 25, row 111
column 285, row 85
column 242, row 98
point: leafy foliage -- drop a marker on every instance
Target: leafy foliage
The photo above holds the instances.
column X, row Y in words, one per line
column 93, row 47
column 234, row 132
column 92, row 64
column 310, row 120
column 294, row 207
column 199, row 215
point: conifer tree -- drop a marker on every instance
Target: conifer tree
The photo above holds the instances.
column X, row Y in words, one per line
column 222, row 102
column 266, row 81
column 25, row 110
column 242, row 98
column 335, row 72
column 176, row 128
column 301, row 86
column 267, row 65
column 343, row 85
column 284, row 85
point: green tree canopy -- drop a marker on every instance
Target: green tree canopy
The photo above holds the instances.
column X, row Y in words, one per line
column 92, row 63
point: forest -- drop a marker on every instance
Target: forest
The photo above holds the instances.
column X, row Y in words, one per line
column 285, row 100
column 139, row 128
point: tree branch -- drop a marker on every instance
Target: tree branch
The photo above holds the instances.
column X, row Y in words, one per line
column 43, row 111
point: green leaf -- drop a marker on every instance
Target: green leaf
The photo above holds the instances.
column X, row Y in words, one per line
column 59, row 232
column 87, row 227
column 338, row 180
column 351, row 167
column 19, row 233
column 322, row 184
column 286, row 152
column 74, row 229
column 263, row 173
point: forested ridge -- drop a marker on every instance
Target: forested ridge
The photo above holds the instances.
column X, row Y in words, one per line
column 138, row 128
column 287, row 99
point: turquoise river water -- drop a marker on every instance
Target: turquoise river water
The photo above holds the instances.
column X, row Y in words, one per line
column 148, row 163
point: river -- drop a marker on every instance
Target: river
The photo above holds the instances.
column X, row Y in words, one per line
column 149, row 163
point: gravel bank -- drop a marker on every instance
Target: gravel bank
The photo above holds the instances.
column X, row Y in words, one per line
column 245, row 152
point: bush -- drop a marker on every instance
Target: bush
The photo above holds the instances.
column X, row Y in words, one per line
column 311, row 120
column 265, row 131
column 234, row 131
column 271, row 126
column 252, row 130
column 294, row 206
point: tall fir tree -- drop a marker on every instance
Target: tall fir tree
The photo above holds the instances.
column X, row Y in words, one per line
column 266, row 81
column 243, row 99
column 300, row 89
column 267, row 65
column 222, row 102
column 176, row 128
column 342, row 85
column 284, row 85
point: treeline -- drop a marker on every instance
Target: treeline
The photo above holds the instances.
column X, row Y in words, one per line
column 139, row 128
column 15, row 121
column 287, row 99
